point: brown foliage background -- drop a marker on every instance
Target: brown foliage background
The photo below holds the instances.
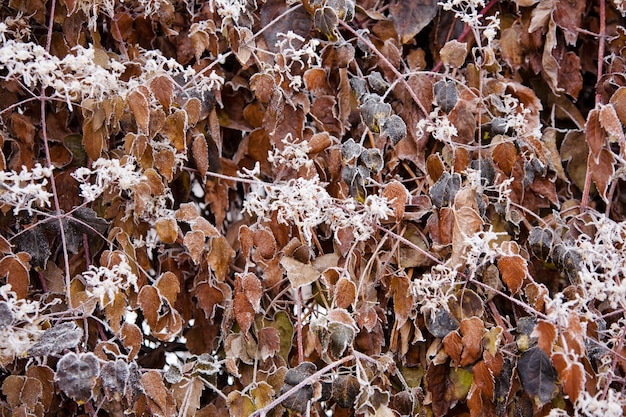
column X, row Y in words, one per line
column 484, row 286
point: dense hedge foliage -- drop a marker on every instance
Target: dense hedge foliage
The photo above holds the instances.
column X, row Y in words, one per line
column 317, row 207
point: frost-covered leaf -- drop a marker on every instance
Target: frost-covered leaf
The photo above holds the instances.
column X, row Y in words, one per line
column 446, row 94
column 76, row 375
column 442, row 193
column 326, row 21
column 372, row 159
column 541, row 241
column 375, row 112
column 298, row 273
column 345, row 389
column 115, row 377
column 340, row 336
column 15, row 268
column 56, row 339
column 513, row 271
column 377, row 83
column 167, row 229
column 595, row 134
column 411, row 16
column 350, row 150
column 159, row 397
column 139, row 103
column 6, row 315
column 453, row 53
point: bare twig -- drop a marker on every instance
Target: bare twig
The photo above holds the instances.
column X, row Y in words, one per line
column 311, row 379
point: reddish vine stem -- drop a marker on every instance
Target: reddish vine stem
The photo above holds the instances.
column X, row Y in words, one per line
column 584, row 201
column 299, row 329
column 46, row 146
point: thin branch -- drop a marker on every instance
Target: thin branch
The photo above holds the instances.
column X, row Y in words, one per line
column 308, row 381
column 46, row 145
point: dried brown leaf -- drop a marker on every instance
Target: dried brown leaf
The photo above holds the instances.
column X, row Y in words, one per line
column 93, row 139
column 269, row 342
column 611, row 123
column 209, row 297
column 602, row 171
column 513, row 270
column 167, row 229
column 220, row 256
column 200, row 153
column 595, row 134
column 132, row 339
column 298, row 273
column 15, row 268
column 398, row 195
column 472, row 330
column 162, row 88
column 411, row 16
column 139, row 103
column 157, row 394
column 242, row 307
column 168, row 286
column 571, row 374
column 194, row 241
column 175, row 129
column 453, row 346
column 546, row 335
column 345, row 292
column 150, row 303
column 453, row 53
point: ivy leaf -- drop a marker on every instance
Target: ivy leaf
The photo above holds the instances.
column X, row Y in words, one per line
column 372, row 159
column 375, row 112
column 537, row 374
column 350, row 150
column 326, row 22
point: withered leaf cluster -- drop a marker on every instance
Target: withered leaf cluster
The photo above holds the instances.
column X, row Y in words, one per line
column 312, row 207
